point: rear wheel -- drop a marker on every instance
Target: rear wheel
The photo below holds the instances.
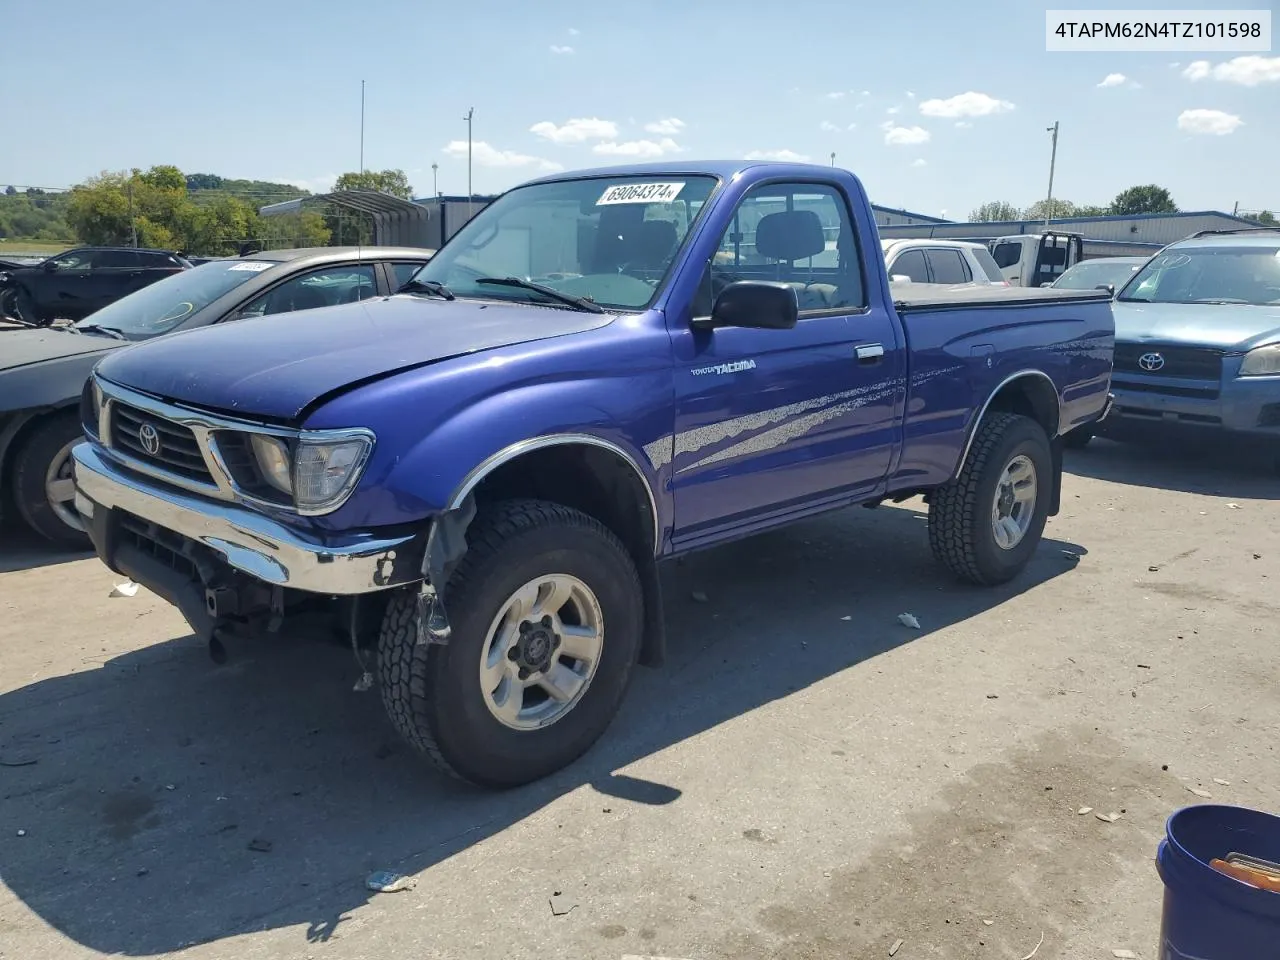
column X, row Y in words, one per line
column 43, row 486
column 546, row 614
column 987, row 523
column 24, row 308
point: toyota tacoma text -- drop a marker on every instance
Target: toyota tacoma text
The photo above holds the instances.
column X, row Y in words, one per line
column 478, row 476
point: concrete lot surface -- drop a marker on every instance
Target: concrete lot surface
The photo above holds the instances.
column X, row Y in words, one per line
column 805, row 778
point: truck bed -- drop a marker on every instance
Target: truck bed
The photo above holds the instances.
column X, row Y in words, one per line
column 908, row 297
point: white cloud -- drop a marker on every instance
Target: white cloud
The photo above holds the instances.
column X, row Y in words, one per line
column 865, row 93
column 782, row 156
column 1113, row 80
column 911, row 94
column 963, row 124
column 853, row 126
column 489, row 156
column 969, row 104
column 891, row 111
column 835, row 95
column 919, row 162
column 578, row 130
column 1212, row 122
column 667, row 128
column 574, row 31
column 643, row 149
column 561, row 50
column 896, row 136
column 1175, row 65
column 1246, row 71
column 827, row 126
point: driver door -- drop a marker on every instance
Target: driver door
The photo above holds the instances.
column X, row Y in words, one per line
column 773, row 422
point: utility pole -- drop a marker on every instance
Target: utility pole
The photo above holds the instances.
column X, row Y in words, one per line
column 362, row 131
column 833, row 158
column 435, row 186
column 470, row 113
column 133, row 224
column 1235, row 211
column 1053, row 158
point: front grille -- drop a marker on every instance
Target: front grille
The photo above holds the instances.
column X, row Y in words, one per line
column 178, row 450
column 1206, row 392
column 1180, row 362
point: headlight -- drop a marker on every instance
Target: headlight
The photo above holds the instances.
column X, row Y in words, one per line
column 1262, row 362
column 272, row 455
column 316, row 472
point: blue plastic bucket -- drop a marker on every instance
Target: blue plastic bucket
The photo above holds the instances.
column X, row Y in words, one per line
column 1208, row 915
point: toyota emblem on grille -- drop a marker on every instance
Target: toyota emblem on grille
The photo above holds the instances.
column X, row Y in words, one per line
column 1151, row 362
column 149, row 437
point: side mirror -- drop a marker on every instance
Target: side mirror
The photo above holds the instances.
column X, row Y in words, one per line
column 49, row 266
column 899, row 278
column 1046, row 284
column 755, row 304
column 1109, row 287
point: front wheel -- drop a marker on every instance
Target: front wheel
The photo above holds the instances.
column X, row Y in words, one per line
column 546, row 615
column 987, row 523
column 43, row 484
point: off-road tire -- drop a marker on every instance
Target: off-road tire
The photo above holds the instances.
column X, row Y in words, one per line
column 960, row 532
column 31, row 463
column 432, row 691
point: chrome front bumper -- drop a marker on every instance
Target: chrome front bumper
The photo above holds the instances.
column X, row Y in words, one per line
column 247, row 541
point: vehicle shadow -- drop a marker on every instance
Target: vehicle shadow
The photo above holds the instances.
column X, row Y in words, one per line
column 1205, row 468
column 22, row 550
column 143, row 787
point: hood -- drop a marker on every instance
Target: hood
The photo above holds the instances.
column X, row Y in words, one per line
column 1226, row 326
column 276, row 366
column 18, row 348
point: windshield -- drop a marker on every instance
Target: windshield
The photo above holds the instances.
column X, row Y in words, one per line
column 1248, row 275
column 610, row 240
column 161, row 306
column 1092, row 274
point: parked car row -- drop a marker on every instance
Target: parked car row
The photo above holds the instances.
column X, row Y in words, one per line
column 42, row 372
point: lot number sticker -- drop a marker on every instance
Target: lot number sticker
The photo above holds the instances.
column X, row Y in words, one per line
column 254, row 266
column 640, row 193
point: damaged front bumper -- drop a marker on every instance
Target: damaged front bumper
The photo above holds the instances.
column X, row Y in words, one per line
column 162, row 538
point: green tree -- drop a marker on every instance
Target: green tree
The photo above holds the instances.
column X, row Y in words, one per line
column 1061, row 208
column 393, row 182
column 1267, row 219
column 993, row 211
column 1147, row 198
column 1092, row 210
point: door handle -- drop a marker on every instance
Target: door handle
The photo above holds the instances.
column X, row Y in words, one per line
column 869, row 353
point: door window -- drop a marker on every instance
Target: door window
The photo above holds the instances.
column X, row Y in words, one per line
column 948, row 266
column 403, row 272
column 75, row 260
column 1006, row 254
column 910, row 263
column 800, row 234
column 115, row 260
column 326, row 287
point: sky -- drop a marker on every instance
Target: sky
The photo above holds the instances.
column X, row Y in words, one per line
column 936, row 106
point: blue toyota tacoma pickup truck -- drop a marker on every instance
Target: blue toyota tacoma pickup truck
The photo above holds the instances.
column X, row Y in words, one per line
column 478, row 476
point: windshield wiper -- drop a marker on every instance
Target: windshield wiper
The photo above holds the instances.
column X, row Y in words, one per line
column 433, row 287
column 111, row 332
column 578, row 303
column 1217, row 300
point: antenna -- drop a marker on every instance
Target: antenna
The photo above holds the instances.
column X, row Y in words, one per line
column 470, row 113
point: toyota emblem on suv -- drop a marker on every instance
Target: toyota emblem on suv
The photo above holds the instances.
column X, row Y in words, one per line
column 1151, row 362
column 149, row 437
